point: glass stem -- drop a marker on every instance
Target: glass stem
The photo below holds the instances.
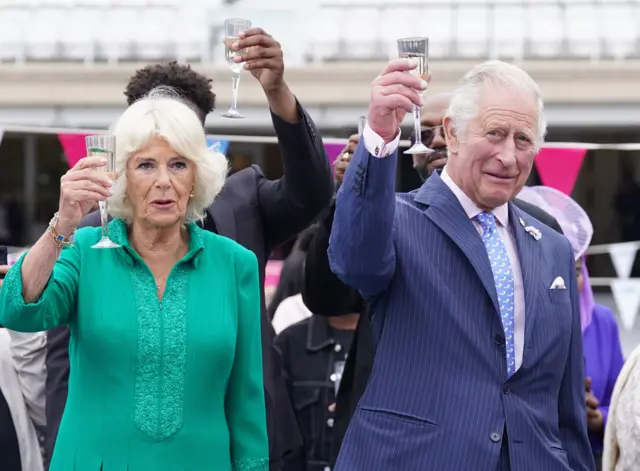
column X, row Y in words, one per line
column 417, row 127
column 235, row 81
column 104, row 218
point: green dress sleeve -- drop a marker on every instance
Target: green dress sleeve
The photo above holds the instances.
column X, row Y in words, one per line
column 56, row 304
column 245, row 402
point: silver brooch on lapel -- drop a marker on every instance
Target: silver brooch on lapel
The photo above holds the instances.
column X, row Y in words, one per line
column 521, row 222
column 533, row 232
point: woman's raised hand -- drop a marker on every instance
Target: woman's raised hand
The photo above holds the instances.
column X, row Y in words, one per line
column 80, row 189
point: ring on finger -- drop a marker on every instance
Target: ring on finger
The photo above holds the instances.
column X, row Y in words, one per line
column 346, row 156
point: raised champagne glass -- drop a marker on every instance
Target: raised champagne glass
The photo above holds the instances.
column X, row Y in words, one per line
column 103, row 145
column 416, row 49
column 233, row 27
column 362, row 122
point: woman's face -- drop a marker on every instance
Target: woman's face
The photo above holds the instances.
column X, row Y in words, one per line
column 159, row 184
column 579, row 274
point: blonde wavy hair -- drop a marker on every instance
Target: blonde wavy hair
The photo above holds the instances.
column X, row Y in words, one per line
column 162, row 114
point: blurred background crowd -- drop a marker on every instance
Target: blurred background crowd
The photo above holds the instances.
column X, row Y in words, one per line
column 65, row 63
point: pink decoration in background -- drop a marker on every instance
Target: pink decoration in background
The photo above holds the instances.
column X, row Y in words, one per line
column 559, row 167
column 333, row 151
column 74, row 147
column 272, row 273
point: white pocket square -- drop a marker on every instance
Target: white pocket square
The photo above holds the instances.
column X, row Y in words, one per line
column 558, row 283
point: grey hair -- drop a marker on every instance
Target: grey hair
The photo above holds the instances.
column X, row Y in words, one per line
column 463, row 107
column 163, row 114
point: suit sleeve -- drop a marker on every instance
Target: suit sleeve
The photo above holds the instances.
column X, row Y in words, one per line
column 56, row 304
column 572, row 412
column 28, row 355
column 319, row 280
column 290, row 204
column 245, row 401
column 361, row 246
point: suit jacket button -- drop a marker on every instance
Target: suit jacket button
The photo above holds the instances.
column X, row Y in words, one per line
column 495, row 437
column 499, row 338
column 330, row 422
column 506, row 389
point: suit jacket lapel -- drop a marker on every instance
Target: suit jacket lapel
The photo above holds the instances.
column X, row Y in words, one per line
column 223, row 217
column 530, row 264
column 446, row 212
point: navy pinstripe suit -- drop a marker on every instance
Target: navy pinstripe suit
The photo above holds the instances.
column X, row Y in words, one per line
column 439, row 397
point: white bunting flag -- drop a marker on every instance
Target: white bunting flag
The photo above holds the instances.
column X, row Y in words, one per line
column 623, row 255
column 627, row 296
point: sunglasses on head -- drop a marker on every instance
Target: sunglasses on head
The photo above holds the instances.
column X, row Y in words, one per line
column 427, row 135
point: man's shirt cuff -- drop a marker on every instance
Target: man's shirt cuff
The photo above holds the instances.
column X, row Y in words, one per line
column 376, row 145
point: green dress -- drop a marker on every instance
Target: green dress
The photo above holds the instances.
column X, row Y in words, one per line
column 171, row 385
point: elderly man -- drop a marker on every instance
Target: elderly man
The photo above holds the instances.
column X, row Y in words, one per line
column 324, row 294
column 474, row 303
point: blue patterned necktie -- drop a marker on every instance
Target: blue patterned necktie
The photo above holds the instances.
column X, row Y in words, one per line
column 503, row 279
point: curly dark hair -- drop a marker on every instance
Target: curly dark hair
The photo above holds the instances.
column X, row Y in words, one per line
column 192, row 86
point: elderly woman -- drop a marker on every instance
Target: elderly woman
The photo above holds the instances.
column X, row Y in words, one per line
column 163, row 377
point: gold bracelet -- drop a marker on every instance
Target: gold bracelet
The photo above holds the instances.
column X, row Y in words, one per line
column 60, row 240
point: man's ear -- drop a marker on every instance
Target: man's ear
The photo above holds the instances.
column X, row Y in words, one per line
column 450, row 135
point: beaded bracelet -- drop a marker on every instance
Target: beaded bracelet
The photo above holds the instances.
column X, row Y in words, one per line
column 60, row 240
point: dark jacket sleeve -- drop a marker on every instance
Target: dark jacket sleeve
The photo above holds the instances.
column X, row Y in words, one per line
column 323, row 293
column 290, row 204
column 57, row 363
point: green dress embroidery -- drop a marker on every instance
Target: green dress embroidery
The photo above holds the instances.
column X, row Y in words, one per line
column 171, row 385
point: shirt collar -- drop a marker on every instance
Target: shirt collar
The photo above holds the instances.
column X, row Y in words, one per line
column 501, row 212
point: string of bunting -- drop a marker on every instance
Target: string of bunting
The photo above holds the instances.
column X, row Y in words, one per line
column 625, row 290
column 558, row 165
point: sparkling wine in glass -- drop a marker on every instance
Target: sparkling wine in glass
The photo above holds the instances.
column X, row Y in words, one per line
column 233, row 27
column 103, row 145
column 416, row 49
column 362, row 122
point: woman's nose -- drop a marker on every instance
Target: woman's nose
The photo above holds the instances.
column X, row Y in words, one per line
column 163, row 177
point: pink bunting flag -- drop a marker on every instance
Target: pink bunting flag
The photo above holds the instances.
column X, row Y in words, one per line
column 559, row 167
column 74, row 147
column 333, row 151
column 272, row 273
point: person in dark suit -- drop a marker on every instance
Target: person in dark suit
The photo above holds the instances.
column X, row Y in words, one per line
column 469, row 373
column 323, row 292
column 258, row 213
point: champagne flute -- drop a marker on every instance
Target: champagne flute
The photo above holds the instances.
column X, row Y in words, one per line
column 416, row 49
column 233, row 27
column 103, row 145
column 362, row 122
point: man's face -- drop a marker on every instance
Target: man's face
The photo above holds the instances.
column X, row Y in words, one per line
column 432, row 136
column 492, row 159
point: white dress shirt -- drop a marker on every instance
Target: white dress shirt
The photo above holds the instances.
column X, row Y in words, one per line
column 377, row 147
column 290, row 311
